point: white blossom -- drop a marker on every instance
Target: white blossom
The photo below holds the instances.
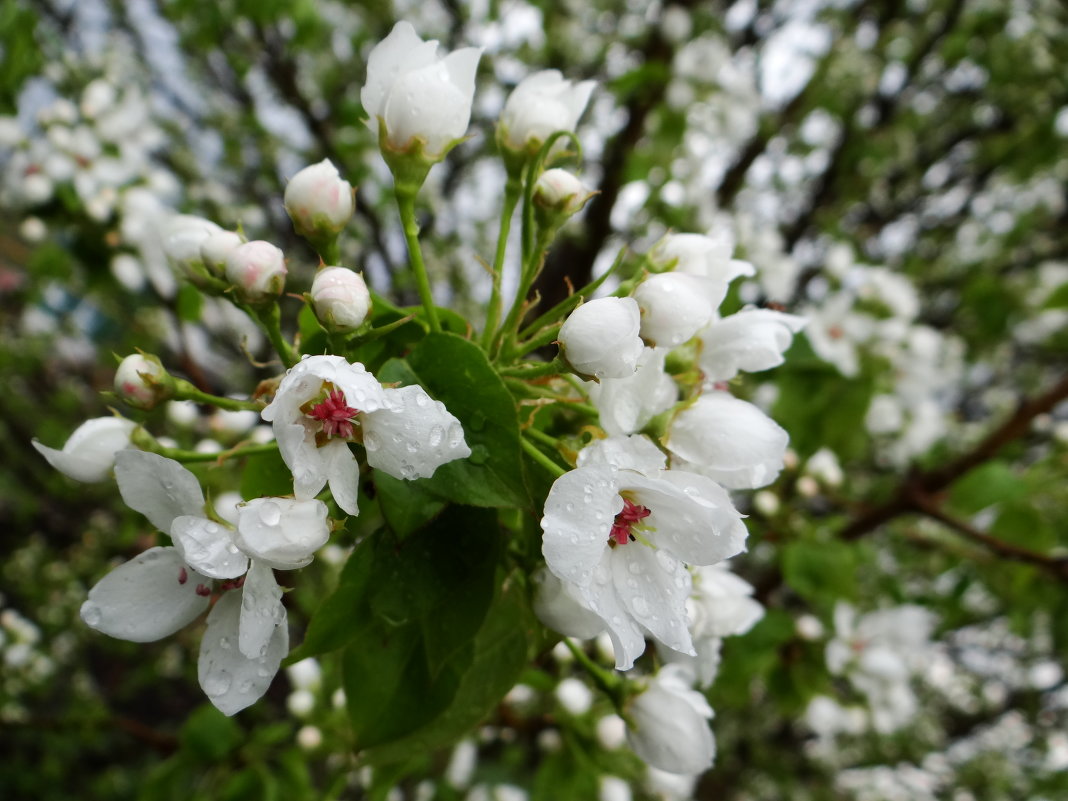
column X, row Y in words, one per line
column 751, row 340
column 89, row 453
column 600, row 338
column 670, row 724
column 542, row 104
column 674, row 307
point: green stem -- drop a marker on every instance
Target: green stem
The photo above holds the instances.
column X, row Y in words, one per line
column 512, row 191
column 534, row 453
column 610, row 683
column 531, row 267
column 542, row 437
column 270, row 319
column 405, row 195
column 186, row 391
column 535, row 391
column 189, row 457
column 546, row 337
column 532, row 370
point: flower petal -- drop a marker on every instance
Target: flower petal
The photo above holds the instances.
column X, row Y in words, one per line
column 89, row 454
column 157, row 487
column 579, row 512
column 601, row 598
column 558, row 606
column 343, row 475
column 281, row 532
column 413, row 436
column 208, row 547
column 230, row 679
column 147, row 598
column 261, row 611
column 399, row 52
column 653, row 587
column 634, row 452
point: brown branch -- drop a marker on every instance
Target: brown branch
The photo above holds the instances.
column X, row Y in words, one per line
column 1057, row 565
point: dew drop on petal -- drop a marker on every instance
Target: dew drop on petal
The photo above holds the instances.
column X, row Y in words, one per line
column 421, row 399
column 270, row 514
column 370, row 441
column 634, row 568
column 91, row 613
column 217, row 683
column 224, row 643
column 437, row 434
column 244, row 686
column 211, row 528
column 641, row 606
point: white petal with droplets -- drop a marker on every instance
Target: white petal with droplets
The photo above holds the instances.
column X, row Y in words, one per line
column 147, row 598
column 231, row 680
column 157, row 487
column 261, row 611
column 579, row 512
column 282, row 532
column 653, row 587
column 208, row 546
column 600, row 596
column 89, row 454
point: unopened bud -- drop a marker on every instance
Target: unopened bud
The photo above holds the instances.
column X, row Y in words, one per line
column 142, row 382
column 340, row 298
column 319, row 201
column 257, row 271
column 215, row 249
column 557, row 192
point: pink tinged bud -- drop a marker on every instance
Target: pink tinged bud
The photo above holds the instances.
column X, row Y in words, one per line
column 257, row 270
column 318, row 201
column 215, row 249
column 600, row 338
column 340, row 298
column 142, row 382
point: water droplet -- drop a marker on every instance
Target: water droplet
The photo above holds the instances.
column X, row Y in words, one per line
column 421, row 399
column 437, row 434
column 263, row 672
column 217, row 683
column 91, row 613
column 569, row 506
column 412, row 446
column 634, row 568
column 680, row 582
column 456, row 435
column 270, row 513
column 573, row 539
column 408, row 471
column 641, row 606
column 211, row 528
column 371, row 441
column 244, row 686
column 632, row 583
column 224, row 643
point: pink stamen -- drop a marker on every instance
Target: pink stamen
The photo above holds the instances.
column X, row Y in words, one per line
column 183, row 576
column 232, row 584
column 630, row 515
column 203, row 591
column 335, row 414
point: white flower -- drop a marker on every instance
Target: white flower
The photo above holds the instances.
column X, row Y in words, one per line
column 315, row 414
column 600, row 338
column 183, row 234
column 619, row 527
column 704, row 256
column 542, row 104
column 257, row 270
column 558, row 606
column 163, row 589
column 418, row 95
column 670, row 730
column 89, row 453
column 625, row 405
column 561, row 192
column 141, row 381
column 318, row 200
column 728, row 440
column 674, row 307
column 340, row 298
column 751, row 340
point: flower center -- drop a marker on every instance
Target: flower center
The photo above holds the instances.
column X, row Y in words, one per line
column 335, row 414
column 624, row 521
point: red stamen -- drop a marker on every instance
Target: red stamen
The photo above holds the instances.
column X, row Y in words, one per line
column 232, row 584
column 183, row 576
column 335, row 414
column 203, row 591
column 630, row 515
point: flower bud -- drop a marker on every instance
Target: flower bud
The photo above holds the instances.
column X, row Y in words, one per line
column 416, row 98
column 557, row 195
column 142, row 382
column 600, row 338
column 670, row 729
column 540, row 105
column 89, row 454
column 340, row 298
column 674, row 307
column 257, row 271
column 319, row 202
column 216, row 247
column 183, row 234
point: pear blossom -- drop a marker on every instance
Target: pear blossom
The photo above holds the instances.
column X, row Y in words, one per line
column 543, row 103
column 751, row 340
column 619, row 528
column 165, row 588
column 340, row 298
column 417, row 95
column 600, row 338
column 674, row 307
column 558, row 606
column 707, row 257
column 323, row 403
column 728, row 440
column 670, row 724
column 626, row 405
column 89, row 453
column 319, row 201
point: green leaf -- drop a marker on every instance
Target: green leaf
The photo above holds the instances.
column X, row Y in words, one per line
column 1058, row 298
column 265, row 474
column 190, row 302
column 208, row 735
column 820, row 571
column 406, row 505
column 500, row 655
column 457, row 372
column 411, row 632
column 986, row 485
